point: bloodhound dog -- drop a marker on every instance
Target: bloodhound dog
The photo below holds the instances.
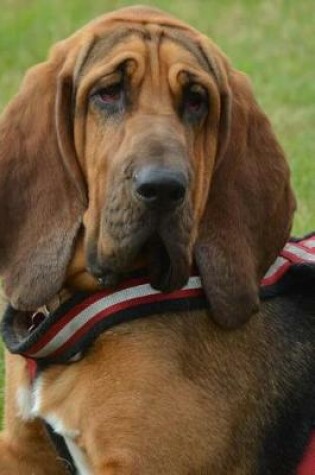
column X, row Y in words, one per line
column 136, row 145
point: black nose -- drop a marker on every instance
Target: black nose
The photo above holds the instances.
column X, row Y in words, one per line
column 160, row 187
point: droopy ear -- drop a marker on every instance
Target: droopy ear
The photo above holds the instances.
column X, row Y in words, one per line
column 41, row 186
column 249, row 209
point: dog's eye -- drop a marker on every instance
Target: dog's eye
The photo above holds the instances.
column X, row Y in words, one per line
column 195, row 102
column 110, row 95
column 109, row 99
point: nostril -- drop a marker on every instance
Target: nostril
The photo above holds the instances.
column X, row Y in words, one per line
column 177, row 194
column 147, row 191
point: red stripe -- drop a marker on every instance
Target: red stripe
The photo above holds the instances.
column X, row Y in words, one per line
column 307, row 467
column 276, row 275
column 31, row 368
column 122, row 306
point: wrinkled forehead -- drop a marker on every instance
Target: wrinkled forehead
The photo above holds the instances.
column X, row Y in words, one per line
column 152, row 41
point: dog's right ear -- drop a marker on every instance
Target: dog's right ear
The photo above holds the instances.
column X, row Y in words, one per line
column 42, row 196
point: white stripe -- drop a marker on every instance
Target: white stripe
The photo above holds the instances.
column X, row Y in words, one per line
column 296, row 251
column 88, row 313
column 279, row 262
column 300, row 253
column 310, row 243
column 79, row 457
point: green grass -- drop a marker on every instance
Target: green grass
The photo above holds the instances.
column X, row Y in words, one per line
column 271, row 40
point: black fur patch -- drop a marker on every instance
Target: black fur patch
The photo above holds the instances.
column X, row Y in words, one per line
column 292, row 316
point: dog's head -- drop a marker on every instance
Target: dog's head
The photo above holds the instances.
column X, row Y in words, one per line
column 139, row 135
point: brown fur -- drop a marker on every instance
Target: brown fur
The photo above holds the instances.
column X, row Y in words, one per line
column 52, row 150
column 66, row 183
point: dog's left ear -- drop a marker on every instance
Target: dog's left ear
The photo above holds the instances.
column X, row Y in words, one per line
column 249, row 209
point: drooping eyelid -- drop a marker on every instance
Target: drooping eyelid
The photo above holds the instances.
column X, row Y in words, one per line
column 181, row 76
column 101, row 75
column 197, row 88
column 107, row 81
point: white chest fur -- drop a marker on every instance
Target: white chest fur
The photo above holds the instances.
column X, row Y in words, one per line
column 29, row 403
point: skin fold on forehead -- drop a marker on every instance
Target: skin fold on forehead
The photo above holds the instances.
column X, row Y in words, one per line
column 123, row 38
column 147, row 23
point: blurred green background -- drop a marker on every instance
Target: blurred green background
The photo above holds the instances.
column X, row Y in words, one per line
column 271, row 40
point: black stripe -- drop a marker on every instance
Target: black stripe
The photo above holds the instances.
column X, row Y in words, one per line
column 299, row 277
column 10, row 334
column 304, row 238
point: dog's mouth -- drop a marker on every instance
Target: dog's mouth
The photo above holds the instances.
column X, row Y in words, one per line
column 159, row 263
column 165, row 261
column 160, row 243
column 167, row 269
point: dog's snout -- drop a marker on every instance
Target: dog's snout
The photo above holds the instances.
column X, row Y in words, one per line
column 160, row 187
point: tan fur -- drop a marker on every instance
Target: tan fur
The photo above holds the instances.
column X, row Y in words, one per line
column 174, row 393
